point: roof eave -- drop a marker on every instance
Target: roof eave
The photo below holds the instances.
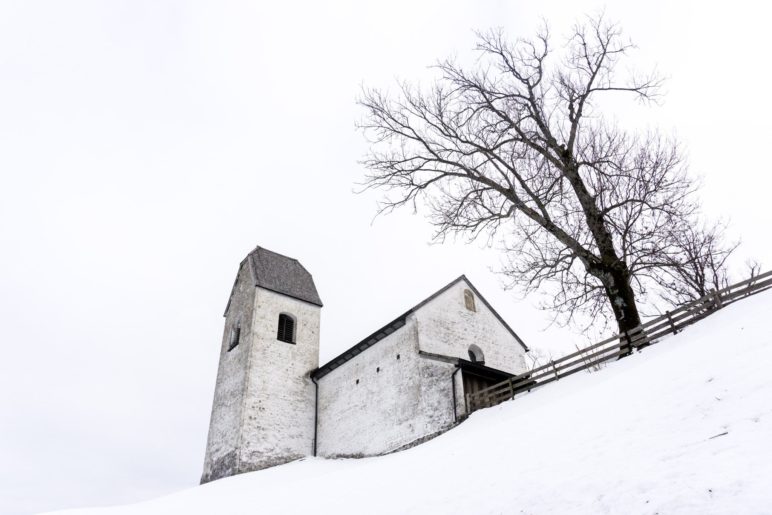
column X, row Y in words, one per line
column 307, row 301
column 360, row 347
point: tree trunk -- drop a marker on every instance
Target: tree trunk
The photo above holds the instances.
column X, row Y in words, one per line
column 611, row 270
column 622, row 299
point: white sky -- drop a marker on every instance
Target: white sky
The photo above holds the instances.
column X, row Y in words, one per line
column 147, row 146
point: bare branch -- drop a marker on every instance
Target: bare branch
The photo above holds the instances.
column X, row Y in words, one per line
column 515, row 149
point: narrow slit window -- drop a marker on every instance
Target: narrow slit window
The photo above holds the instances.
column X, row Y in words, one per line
column 234, row 337
column 469, row 300
column 286, row 332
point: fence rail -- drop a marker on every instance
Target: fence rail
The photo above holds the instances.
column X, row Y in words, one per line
column 618, row 345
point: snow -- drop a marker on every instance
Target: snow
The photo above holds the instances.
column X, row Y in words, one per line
column 683, row 427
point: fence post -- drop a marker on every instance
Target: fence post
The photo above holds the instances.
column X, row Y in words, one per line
column 642, row 338
column 555, row 370
column 670, row 319
column 511, row 389
column 625, row 348
column 716, row 299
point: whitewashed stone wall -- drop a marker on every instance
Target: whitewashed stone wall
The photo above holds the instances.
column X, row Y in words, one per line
column 278, row 421
column 263, row 410
column 437, row 394
column 225, row 423
column 384, row 410
column 446, row 327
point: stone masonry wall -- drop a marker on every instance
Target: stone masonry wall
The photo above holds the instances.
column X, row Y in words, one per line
column 278, row 421
column 372, row 403
column 223, row 440
column 446, row 327
column 437, row 394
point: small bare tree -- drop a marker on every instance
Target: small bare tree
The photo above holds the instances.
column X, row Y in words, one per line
column 752, row 267
column 696, row 263
column 518, row 147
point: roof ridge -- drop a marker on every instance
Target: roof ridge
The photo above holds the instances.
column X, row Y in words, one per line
column 439, row 292
column 277, row 253
column 390, row 327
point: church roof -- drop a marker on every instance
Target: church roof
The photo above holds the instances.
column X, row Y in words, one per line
column 280, row 274
column 400, row 321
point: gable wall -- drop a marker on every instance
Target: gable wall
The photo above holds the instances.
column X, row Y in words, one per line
column 446, row 327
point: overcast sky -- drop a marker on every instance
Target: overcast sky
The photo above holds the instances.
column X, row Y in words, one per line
column 147, row 146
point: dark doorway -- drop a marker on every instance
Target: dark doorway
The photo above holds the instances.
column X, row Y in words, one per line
column 473, row 383
column 476, row 376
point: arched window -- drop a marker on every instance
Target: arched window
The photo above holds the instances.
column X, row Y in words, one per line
column 476, row 354
column 234, row 337
column 469, row 300
column 286, row 331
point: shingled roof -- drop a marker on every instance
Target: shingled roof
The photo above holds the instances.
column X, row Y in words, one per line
column 280, row 274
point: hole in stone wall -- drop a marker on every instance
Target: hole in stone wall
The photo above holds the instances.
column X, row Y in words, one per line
column 397, row 356
column 357, row 381
column 378, row 369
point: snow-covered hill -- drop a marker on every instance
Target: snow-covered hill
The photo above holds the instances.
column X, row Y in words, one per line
column 684, row 427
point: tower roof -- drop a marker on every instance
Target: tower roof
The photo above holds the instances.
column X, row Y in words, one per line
column 280, row 274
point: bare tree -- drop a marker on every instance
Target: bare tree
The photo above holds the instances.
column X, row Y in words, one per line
column 697, row 262
column 518, row 147
column 753, row 267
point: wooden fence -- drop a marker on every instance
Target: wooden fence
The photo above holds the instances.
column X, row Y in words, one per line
column 618, row 345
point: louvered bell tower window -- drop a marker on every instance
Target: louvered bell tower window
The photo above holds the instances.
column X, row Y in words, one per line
column 286, row 331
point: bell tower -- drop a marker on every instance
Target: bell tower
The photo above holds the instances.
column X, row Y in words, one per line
column 263, row 409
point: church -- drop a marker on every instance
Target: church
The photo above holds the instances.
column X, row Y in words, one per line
column 401, row 385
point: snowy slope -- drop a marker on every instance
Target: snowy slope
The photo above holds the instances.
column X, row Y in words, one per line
column 641, row 436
